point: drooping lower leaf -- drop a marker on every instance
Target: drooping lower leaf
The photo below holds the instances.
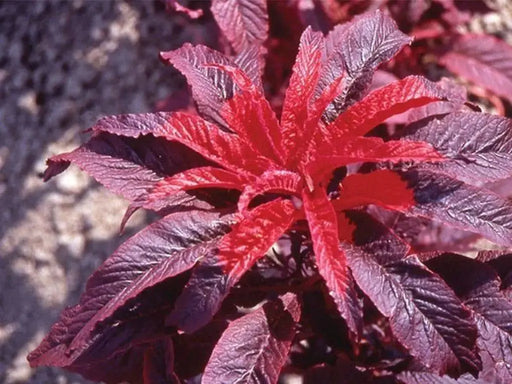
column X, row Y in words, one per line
column 235, row 254
column 159, row 252
column 196, row 178
column 359, row 189
column 330, row 259
column 424, row 313
column 254, row 348
column 159, row 363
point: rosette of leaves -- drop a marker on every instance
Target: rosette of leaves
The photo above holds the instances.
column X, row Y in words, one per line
column 266, row 261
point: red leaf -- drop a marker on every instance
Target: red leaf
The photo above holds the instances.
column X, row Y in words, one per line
column 254, row 348
column 203, row 177
column 484, row 60
column 236, row 253
column 300, row 90
column 383, row 188
column 284, row 182
column 323, row 225
column 382, row 103
column 371, row 149
column 250, row 115
column 243, row 22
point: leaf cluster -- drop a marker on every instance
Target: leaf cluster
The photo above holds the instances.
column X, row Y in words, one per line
column 288, row 240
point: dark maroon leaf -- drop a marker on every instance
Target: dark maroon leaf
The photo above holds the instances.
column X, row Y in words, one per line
column 482, row 59
column 325, row 373
column 202, row 296
column 479, row 144
column 159, row 363
column 211, row 87
column 432, row 378
column 356, row 49
column 479, row 287
column 425, row 235
column 243, row 22
column 501, row 261
column 159, row 252
column 424, row 314
column 445, row 199
column 375, row 238
column 126, row 166
column 254, row 348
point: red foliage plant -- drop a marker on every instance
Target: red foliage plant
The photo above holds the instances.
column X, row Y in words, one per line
column 270, row 259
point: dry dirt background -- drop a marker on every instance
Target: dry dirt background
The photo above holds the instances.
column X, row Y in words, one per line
column 64, row 64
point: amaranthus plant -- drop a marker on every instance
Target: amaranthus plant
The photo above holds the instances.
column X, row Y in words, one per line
column 269, row 260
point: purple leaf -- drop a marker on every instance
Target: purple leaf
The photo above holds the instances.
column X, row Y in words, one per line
column 445, row 199
column 159, row 252
column 478, row 144
column 126, row 166
column 356, row 49
column 243, row 22
column 482, row 59
column 159, row 363
column 479, row 287
column 424, row 314
column 254, row 348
